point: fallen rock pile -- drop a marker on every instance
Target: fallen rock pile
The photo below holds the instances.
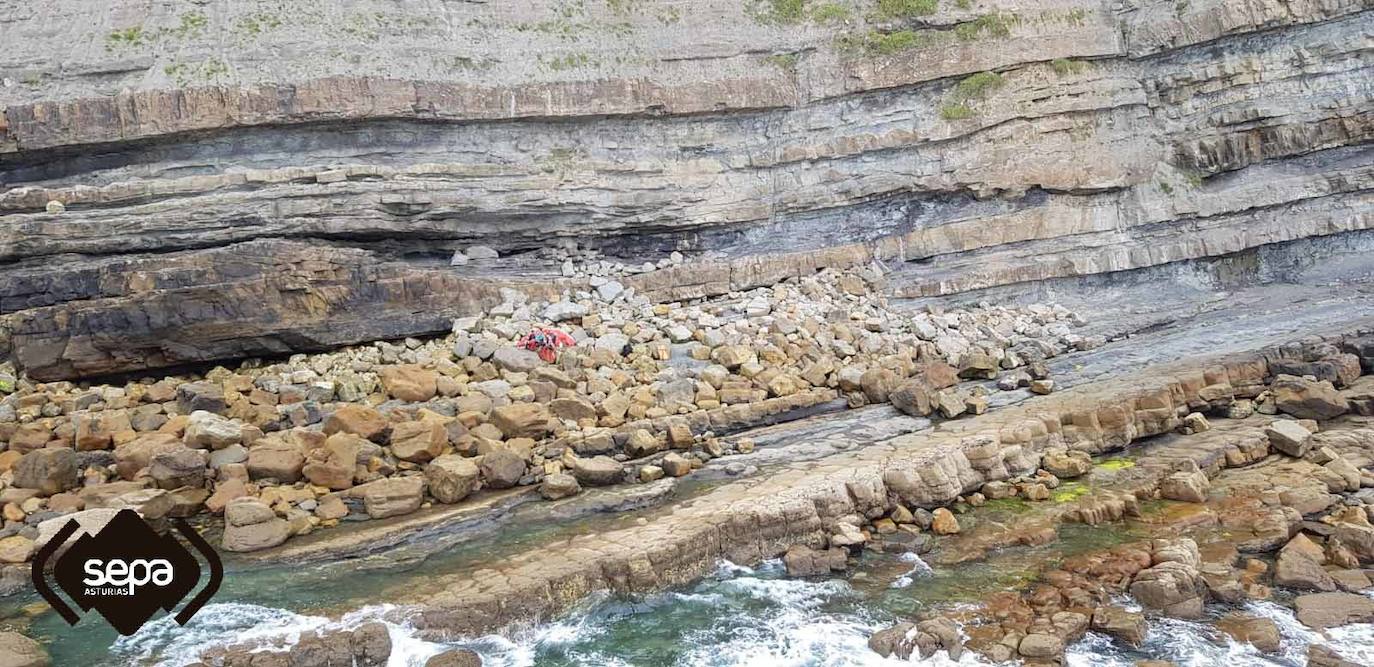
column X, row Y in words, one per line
column 385, row 429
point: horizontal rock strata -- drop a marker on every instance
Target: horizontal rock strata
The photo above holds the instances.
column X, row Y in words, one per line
column 970, row 148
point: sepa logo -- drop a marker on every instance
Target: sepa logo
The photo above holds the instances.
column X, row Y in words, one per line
column 127, row 571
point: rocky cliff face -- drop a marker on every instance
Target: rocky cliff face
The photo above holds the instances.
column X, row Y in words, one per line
column 261, row 177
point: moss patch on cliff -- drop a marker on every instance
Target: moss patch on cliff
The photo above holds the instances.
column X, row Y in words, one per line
column 987, row 25
column 901, row 9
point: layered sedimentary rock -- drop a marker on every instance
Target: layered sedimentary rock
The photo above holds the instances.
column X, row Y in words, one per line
column 268, row 177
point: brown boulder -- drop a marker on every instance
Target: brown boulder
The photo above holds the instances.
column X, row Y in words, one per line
column 391, row 497
column 501, row 469
column 409, row 382
column 418, row 441
column 137, row 455
column 275, row 459
column 179, row 467
column 1306, row 399
column 49, row 470
column 1262, row 633
column 359, row 420
column 1329, row 610
column 451, row 478
column 521, row 420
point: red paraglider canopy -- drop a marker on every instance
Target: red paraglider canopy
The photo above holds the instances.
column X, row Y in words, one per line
column 546, row 342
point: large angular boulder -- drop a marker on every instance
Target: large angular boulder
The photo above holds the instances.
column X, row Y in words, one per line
column 451, row 478
column 333, row 465
column 1172, row 588
column 501, row 469
column 358, row 420
column 250, row 525
column 409, row 382
column 521, row 420
column 275, row 459
column 1329, row 610
column 391, row 497
column 803, row 561
column 1066, row 464
column 179, row 467
column 207, row 396
column 1305, row 399
column 559, row 486
column 516, row 359
column 1128, row 626
column 598, row 470
column 207, row 430
column 458, row 657
column 1289, row 437
column 49, row 470
column 1262, row 633
column 418, row 441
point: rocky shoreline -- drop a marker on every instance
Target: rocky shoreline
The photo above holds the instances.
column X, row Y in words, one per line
column 450, row 423
column 647, row 391
column 1218, row 447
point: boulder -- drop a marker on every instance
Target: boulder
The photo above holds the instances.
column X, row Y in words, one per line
column 418, row 441
column 1172, row 588
column 642, row 443
column 207, row 430
column 803, row 561
column 1305, row 399
column 1299, row 565
column 16, row 650
column 15, row 549
column 1067, row 464
column 1040, row 645
column 1328, row 610
column 458, row 657
column 340, row 459
column 451, row 478
column 598, row 470
column 1262, row 633
column 675, row 465
column 97, row 430
column 179, row 467
column 877, row 384
column 559, row 486
column 250, row 525
column 1128, row 626
column 134, row 456
column 391, row 497
column 501, row 469
column 409, row 382
column 371, row 644
column 207, row 396
column 49, row 470
column 516, row 359
column 1289, row 437
column 359, row 420
column 943, row 522
column 521, row 420
column 275, row 459
column 1189, row 486
column 573, row 408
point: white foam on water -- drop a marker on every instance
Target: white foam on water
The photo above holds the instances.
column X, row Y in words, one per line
column 756, row 618
column 265, row 628
column 919, row 569
column 1199, row 644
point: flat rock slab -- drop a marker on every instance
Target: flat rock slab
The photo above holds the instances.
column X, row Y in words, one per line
column 1330, row 610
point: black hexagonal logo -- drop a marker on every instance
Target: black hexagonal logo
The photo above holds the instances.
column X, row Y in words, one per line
column 126, row 572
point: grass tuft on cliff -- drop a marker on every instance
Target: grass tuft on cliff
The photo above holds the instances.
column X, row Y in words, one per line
column 901, row 9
